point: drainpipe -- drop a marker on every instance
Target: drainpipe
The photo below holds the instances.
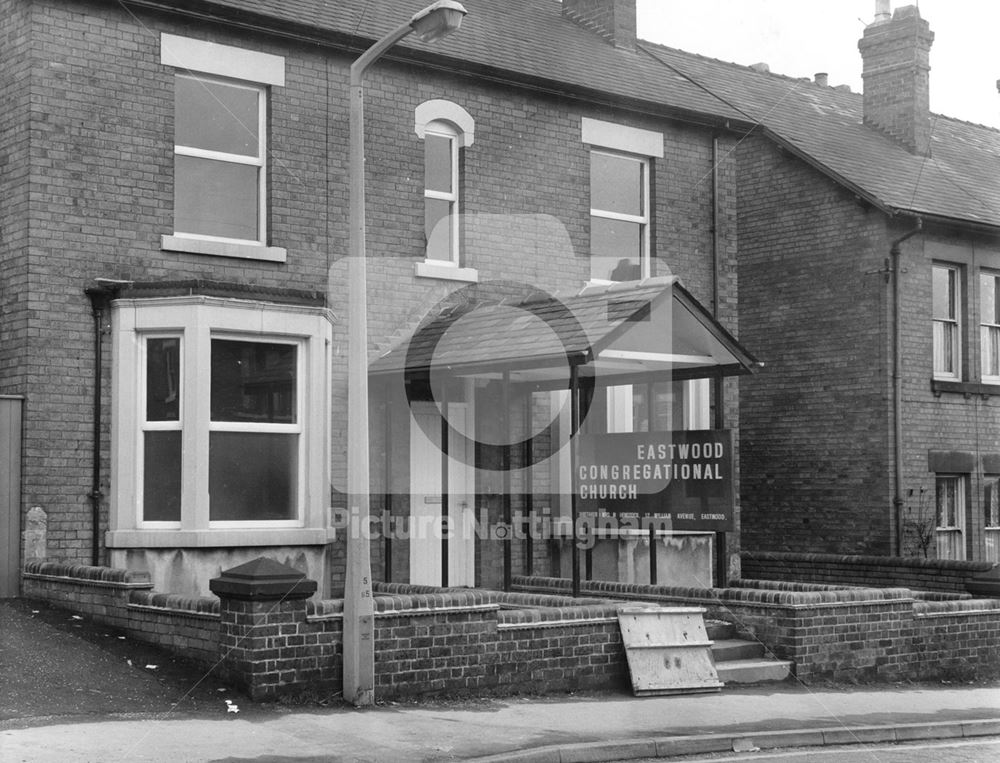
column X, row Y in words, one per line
column 721, row 552
column 897, row 380
column 100, row 304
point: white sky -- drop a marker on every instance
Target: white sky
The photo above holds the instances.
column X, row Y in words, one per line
column 801, row 37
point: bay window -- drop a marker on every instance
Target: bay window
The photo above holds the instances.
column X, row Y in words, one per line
column 220, row 422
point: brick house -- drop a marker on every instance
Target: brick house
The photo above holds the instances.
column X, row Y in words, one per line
column 173, row 274
column 869, row 273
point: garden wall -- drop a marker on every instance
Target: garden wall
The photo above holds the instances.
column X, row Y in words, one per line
column 881, row 571
column 534, row 639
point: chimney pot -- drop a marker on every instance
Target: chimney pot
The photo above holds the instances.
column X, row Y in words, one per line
column 822, row 79
column 882, row 11
column 761, row 67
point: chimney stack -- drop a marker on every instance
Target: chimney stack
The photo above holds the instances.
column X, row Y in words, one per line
column 896, row 73
column 612, row 19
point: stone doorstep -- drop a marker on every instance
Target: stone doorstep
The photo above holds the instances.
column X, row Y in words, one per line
column 751, row 671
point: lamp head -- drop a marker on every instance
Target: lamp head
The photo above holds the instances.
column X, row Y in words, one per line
column 437, row 20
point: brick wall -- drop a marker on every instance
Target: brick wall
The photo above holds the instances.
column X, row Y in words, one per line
column 125, row 600
column 881, row 571
column 837, row 633
column 815, row 443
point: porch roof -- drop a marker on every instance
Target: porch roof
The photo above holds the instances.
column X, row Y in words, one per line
column 636, row 329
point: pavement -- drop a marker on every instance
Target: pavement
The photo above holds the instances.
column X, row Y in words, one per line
column 73, row 690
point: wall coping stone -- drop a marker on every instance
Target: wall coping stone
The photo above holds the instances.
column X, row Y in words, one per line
column 262, row 579
column 108, row 577
column 862, row 560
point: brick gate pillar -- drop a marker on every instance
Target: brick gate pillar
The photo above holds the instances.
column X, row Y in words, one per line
column 262, row 612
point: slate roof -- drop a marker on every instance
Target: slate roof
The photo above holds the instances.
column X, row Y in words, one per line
column 529, row 42
column 547, row 331
column 960, row 180
column 514, row 40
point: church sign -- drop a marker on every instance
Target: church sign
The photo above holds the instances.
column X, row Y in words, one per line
column 677, row 480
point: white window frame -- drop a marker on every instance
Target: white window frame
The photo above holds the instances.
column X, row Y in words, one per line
column 951, row 537
column 951, row 325
column 631, row 142
column 449, row 120
column 198, row 320
column 237, row 67
column 991, row 518
column 641, row 220
column 989, row 329
column 155, row 426
column 443, row 130
column 295, row 428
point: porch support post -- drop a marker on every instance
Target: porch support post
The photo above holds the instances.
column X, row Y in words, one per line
column 528, row 483
column 721, row 562
column 445, row 511
column 574, row 405
column 505, row 467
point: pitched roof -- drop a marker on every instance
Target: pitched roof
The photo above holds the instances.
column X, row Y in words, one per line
column 960, row 180
column 614, row 329
column 513, row 40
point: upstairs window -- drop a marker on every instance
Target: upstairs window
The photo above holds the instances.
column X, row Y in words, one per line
column 621, row 162
column 219, row 150
column 619, row 217
column 947, row 325
column 989, row 329
column 220, row 147
column 441, row 193
column 446, row 130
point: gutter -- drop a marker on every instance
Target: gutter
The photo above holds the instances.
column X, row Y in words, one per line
column 897, row 380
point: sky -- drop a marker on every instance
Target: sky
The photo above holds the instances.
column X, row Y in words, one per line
column 799, row 38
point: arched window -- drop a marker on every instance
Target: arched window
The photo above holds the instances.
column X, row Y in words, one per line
column 446, row 129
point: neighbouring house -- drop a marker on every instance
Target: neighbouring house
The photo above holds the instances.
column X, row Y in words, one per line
column 869, row 251
column 552, row 290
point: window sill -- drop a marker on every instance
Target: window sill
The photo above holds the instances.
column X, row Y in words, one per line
column 218, row 538
column 223, row 249
column 430, row 269
column 940, row 386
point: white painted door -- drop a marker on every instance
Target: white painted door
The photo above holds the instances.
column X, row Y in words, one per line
column 427, row 501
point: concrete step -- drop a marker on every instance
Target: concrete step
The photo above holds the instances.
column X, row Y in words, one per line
column 726, row 650
column 753, row 671
column 720, row 631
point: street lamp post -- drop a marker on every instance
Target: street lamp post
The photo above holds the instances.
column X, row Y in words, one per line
column 430, row 24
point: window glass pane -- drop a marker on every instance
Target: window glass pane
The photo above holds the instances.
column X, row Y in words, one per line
column 438, row 229
column 253, row 382
column 252, row 476
column 163, row 397
column 947, row 498
column 616, row 184
column 216, row 116
column 161, row 477
column 989, row 305
column 615, row 249
column 944, row 347
column 944, row 293
column 991, row 500
column 991, row 350
column 214, row 198
column 437, row 163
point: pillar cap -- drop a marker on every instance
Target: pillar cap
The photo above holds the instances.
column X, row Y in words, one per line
column 262, row 579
